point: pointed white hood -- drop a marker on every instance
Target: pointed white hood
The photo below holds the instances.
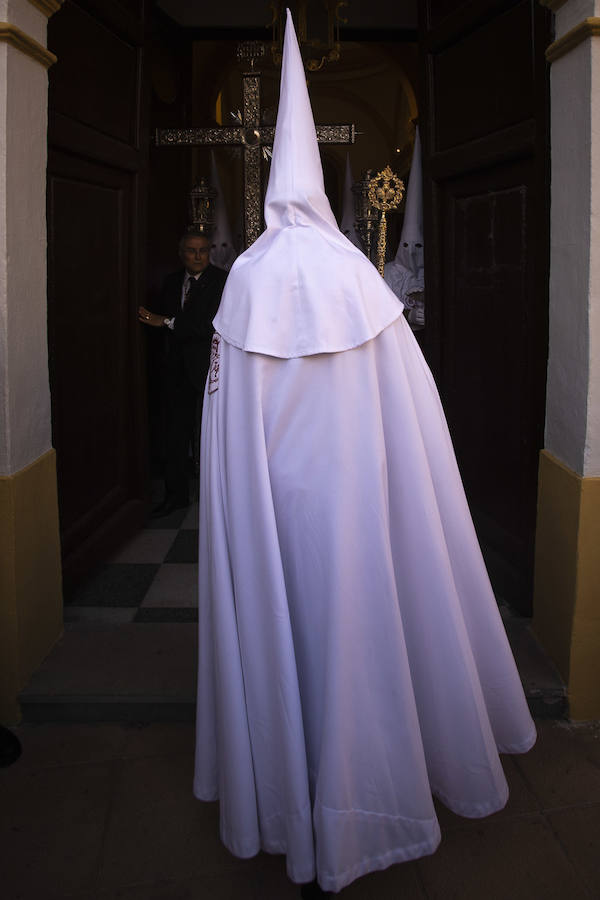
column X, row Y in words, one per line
column 410, row 248
column 222, row 253
column 405, row 274
column 302, row 288
column 347, row 225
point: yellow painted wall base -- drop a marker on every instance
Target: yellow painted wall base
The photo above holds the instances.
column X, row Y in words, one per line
column 31, row 607
column 566, row 615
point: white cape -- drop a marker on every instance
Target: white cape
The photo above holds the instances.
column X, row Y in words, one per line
column 352, row 659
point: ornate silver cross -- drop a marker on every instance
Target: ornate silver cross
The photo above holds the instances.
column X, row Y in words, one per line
column 249, row 134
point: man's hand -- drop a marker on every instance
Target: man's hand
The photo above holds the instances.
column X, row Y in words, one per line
column 150, row 318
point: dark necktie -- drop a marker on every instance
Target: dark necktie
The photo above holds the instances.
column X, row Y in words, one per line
column 188, row 291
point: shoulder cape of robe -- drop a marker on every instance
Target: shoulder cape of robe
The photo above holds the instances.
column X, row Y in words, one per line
column 352, row 659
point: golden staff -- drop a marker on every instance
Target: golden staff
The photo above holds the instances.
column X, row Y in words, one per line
column 386, row 191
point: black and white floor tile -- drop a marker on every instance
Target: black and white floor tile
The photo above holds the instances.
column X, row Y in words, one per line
column 153, row 578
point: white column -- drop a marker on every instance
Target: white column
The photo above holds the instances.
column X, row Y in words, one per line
column 573, row 393
column 30, row 571
column 24, row 388
column 567, row 580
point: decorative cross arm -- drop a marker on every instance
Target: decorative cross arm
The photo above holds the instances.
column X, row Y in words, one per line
column 251, row 136
column 238, row 135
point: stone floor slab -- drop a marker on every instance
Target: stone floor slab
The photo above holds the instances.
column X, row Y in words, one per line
column 120, row 662
column 173, row 520
column 516, row 859
column 544, row 688
column 158, row 831
column 114, row 615
column 51, row 827
column 271, row 879
column 579, row 832
column 231, row 886
column 148, row 546
column 174, row 586
column 191, row 518
column 118, row 584
column 48, row 745
column 185, row 548
column 158, row 739
column 563, row 768
column 105, row 812
column 156, row 614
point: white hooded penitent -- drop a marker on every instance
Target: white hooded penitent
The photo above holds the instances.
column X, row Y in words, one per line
column 222, row 253
column 342, row 678
column 405, row 274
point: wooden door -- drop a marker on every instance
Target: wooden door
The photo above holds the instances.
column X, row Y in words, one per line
column 97, row 164
column 484, row 121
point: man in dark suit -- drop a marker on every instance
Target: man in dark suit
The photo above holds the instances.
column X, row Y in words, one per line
column 188, row 303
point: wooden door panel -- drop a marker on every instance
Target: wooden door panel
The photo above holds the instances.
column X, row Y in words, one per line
column 487, row 385
column 485, row 136
column 90, row 324
column 96, row 78
column 97, row 169
column 479, row 90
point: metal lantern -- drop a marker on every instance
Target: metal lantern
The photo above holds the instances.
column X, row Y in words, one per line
column 201, row 206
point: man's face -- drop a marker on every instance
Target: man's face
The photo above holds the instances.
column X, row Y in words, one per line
column 194, row 254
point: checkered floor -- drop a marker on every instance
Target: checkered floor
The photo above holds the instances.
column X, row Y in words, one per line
column 153, row 578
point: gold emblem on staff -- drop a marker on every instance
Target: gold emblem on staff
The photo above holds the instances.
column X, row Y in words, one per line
column 386, row 191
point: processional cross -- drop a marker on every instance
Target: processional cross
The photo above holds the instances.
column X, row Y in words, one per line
column 249, row 134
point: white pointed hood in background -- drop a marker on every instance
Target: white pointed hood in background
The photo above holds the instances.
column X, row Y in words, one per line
column 348, row 225
column 302, row 288
column 405, row 274
column 223, row 252
column 410, row 248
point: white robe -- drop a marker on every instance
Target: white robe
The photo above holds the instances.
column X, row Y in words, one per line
column 352, row 660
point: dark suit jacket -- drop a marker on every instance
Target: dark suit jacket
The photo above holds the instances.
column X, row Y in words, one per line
column 188, row 344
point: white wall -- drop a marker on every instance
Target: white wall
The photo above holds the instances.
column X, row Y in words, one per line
column 573, row 389
column 571, row 13
column 24, row 390
column 592, row 449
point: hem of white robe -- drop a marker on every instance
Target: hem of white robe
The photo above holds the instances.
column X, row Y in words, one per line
column 335, row 882
column 391, row 857
column 245, row 849
column 480, row 810
column 471, row 810
column 522, row 747
column 205, row 794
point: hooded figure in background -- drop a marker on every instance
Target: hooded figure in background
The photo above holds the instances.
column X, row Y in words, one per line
column 223, row 253
column 405, row 274
column 342, row 680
